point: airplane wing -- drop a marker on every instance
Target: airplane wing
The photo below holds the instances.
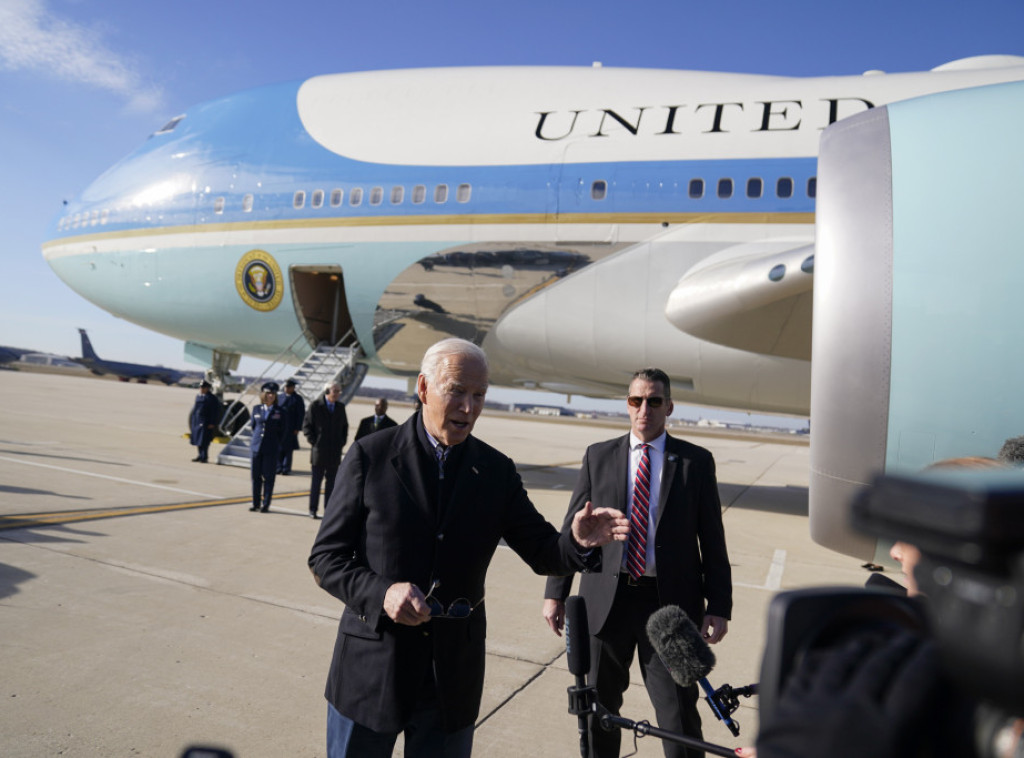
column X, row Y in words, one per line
column 755, row 297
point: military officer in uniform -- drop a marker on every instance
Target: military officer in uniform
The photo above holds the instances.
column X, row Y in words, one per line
column 269, row 429
column 203, row 421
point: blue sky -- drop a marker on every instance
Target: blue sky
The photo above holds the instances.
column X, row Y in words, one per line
column 83, row 82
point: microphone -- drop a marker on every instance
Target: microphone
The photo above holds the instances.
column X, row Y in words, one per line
column 688, row 658
column 577, row 651
column 679, row 644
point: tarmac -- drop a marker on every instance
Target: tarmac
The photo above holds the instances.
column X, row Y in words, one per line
column 144, row 608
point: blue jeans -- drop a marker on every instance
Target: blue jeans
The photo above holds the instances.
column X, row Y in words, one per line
column 424, row 737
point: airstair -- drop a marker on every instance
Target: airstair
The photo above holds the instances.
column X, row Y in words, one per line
column 326, row 364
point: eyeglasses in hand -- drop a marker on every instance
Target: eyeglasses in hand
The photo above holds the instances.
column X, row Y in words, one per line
column 457, row 609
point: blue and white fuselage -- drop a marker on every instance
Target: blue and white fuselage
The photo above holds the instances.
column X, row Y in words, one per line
column 577, row 223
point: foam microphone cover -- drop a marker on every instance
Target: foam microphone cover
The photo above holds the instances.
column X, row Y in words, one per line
column 577, row 635
column 679, row 644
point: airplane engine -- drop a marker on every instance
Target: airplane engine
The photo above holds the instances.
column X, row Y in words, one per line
column 918, row 339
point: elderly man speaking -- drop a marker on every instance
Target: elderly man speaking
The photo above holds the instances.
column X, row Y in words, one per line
column 405, row 543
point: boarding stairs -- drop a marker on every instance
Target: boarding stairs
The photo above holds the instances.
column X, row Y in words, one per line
column 326, row 364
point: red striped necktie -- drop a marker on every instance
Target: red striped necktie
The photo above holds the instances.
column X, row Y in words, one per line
column 636, row 551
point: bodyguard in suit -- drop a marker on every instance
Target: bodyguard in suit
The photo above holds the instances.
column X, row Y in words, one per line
column 412, row 525
column 326, row 431
column 675, row 555
column 379, row 420
column 295, row 411
column 203, row 421
column 269, row 428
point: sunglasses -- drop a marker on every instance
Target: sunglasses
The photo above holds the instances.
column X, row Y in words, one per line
column 458, row 609
column 652, row 402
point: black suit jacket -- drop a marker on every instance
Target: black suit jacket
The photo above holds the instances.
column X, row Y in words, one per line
column 382, row 526
column 689, row 540
column 366, row 425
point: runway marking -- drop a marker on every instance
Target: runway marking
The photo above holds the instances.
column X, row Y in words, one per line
column 106, row 476
column 29, row 520
column 773, row 582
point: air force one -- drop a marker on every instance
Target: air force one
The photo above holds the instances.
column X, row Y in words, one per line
column 577, row 223
column 124, row 371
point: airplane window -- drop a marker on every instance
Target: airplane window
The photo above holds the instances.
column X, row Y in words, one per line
column 247, row 204
column 784, row 187
column 105, row 216
column 318, row 199
column 376, row 195
column 696, row 188
column 355, row 197
column 95, row 218
column 808, row 265
column 725, row 188
column 463, row 192
column 300, row 199
column 218, row 205
column 812, row 187
column 599, row 189
column 777, row 272
column 419, row 194
column 397, row 194
column 755, row 187
column 336, row 198
column 441, row 193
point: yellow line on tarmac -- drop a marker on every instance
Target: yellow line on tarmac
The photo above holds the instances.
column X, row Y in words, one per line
column 27, row 520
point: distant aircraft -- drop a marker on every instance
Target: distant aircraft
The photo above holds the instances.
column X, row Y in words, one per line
column 124, row 371
column 577, row 223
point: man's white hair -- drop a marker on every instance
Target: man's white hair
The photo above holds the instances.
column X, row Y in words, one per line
column 327, row 387
column 437, row 352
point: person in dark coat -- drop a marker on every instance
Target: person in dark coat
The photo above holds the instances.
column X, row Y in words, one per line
column 295, row 409
column 326, row 430
column 379, row 420
column 203, row 421
column 414, row 520
column 269, row 430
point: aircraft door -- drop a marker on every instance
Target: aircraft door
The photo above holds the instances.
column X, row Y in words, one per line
column 320, row 303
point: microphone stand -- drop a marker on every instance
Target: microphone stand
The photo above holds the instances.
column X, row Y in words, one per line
column 583, row 702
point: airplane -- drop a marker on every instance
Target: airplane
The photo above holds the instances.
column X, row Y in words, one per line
column 917, row 328
column 124, row 371
column 577, row 223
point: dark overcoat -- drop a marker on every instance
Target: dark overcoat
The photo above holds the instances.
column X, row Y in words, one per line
column 326, row 432
column 382, row 526
column 205, row 412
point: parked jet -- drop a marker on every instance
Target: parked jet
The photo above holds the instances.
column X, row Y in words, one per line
column 577, row 223
column 124, row 371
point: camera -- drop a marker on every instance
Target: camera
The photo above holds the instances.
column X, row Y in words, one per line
column 969, row 528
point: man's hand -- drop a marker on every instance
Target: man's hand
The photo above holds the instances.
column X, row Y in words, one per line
column 593, row 527
column 404, row 603
column 714, row 628
column 554, row 614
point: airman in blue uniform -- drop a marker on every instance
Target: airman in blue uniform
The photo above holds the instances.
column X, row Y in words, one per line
column 269, row 429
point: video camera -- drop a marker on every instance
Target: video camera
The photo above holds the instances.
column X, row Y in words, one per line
column 969, row 528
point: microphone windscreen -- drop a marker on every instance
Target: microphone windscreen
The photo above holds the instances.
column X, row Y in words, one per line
column 678, row 643
column 577, row 635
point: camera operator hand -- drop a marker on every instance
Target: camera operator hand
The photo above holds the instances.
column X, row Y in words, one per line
column 866, row 697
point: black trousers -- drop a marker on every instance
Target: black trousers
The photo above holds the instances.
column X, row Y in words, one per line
column 327, row 475
column 611, row 654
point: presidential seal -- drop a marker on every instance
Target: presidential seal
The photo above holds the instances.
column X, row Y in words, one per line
column 258, row 280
